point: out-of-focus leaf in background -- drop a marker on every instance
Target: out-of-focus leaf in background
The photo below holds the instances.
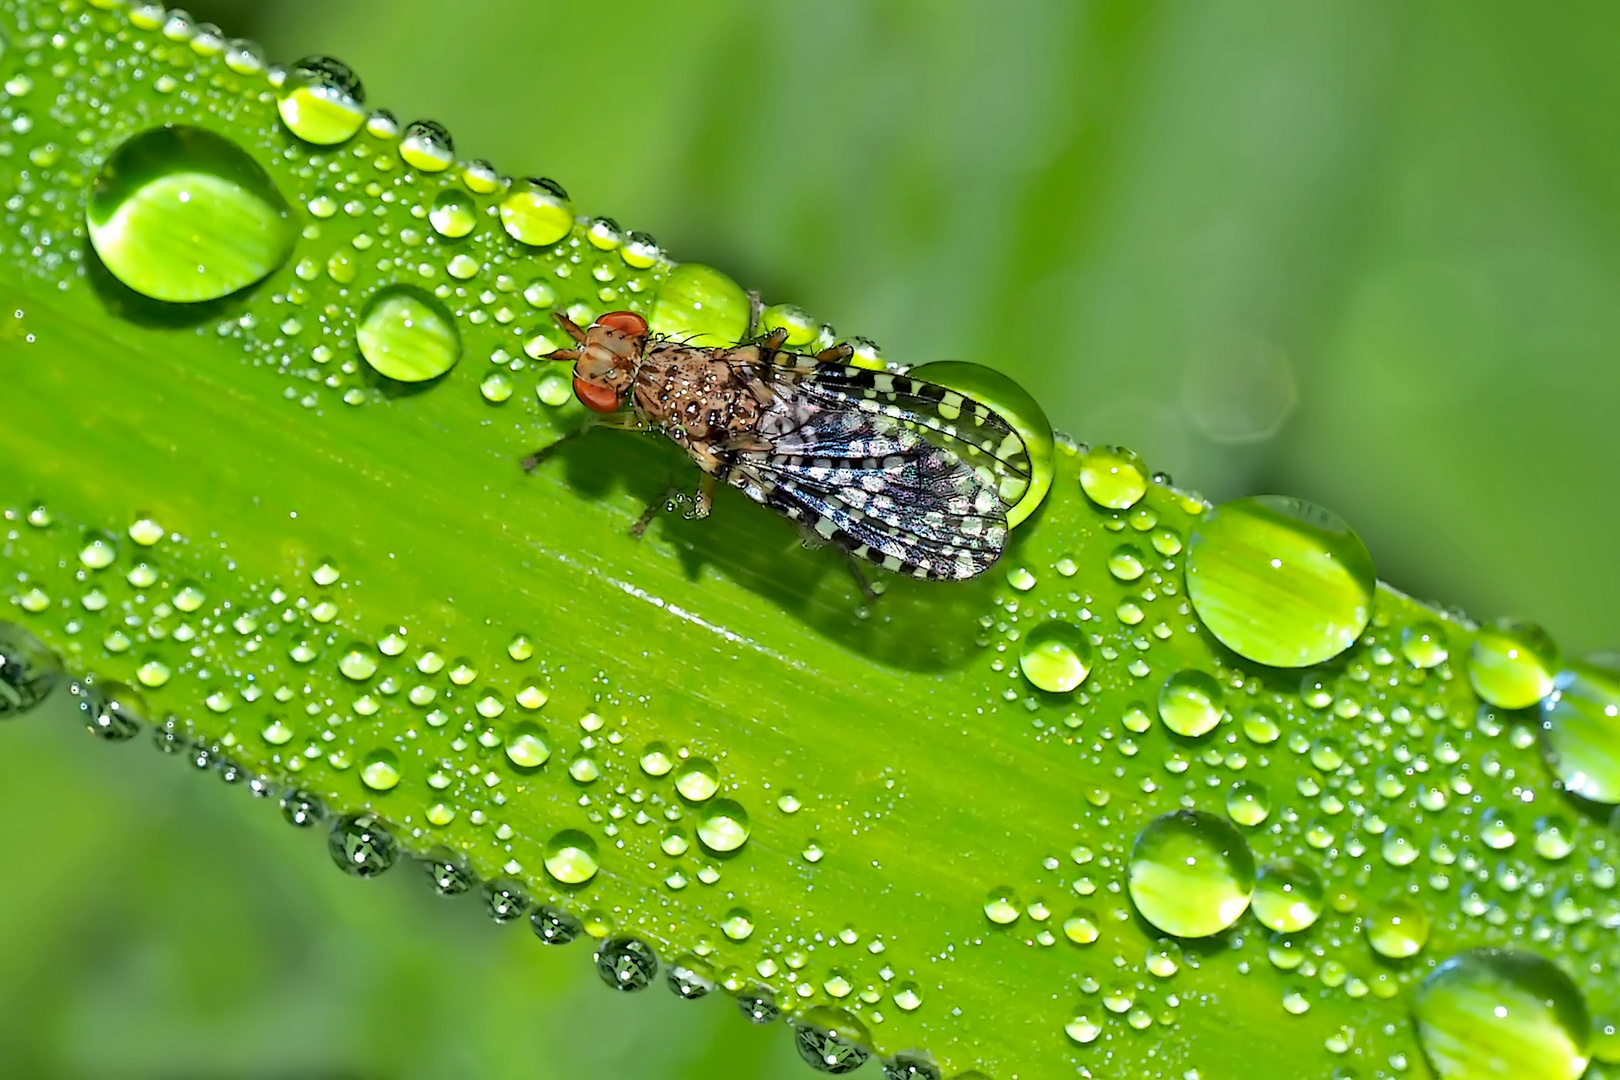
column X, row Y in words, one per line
column 1364, row 255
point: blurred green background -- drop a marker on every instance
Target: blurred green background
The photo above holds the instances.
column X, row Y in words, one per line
column 1366, row 254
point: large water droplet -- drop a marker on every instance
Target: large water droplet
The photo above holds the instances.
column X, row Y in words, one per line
column 406, row 336
column 182, row 215
column 1288, row 896
column 1055, row 656
column 322, row 101
column 724, row 826
column 1279, row 580
column 28, row 671
column 1511, row 664
column 553, row 926
column 831, row 1041
column 1191, row 874
column 626, row 963
column 1113, row 476
column 571, row 857
column 701, row 305
column 453, row 214
column 381, row 771
column 537, row 212
column 1490, row 1014
column 1190, row 703
column 526, row 746
column 361, row 845
column 1580, row 722
column 1013, row 404
column 1397, row 927
column 698, row 780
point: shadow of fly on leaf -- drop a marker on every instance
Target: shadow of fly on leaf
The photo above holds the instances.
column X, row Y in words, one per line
column 907, row 475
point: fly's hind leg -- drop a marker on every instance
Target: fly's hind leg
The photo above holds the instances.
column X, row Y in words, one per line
column 867, row 586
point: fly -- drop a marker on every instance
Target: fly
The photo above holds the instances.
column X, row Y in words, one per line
column 910, row 475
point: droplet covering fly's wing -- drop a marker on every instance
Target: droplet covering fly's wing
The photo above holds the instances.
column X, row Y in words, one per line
column 902, row 472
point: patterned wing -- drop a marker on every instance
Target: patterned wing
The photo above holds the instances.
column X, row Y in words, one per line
column 969, row 429
column 875, row 481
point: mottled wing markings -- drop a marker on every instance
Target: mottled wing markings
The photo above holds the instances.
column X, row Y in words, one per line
column 969, row 429
column 908, row 474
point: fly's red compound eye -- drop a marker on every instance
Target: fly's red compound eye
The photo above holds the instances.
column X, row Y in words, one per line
column 596, row 398
column 627, row 323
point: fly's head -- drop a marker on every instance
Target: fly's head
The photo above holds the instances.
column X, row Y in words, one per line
column 606, row 360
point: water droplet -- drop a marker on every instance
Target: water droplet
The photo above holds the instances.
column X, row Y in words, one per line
column 381, row 771
column 1013, row 404
column 537, row 212
column 505, row 900
column 553, row 926
column 738, row 925
column 908, row 997
column 700, row 304
column 831, row 1041
column 1001, row 906
column 526, row 746
column 182, row 215
column 1163, row 958
column 724, row 827
column 1424, row 644
column 689, row 977
column 1580, row 723
column 360, row 845
column 758, row 1006
column 1555, row 839
column 1055, row 656
column 1260, row 725
column 1083, row 1030
column 427, row 146
column 1113, row 476
column 1191, row 874
column 1511, row 664
column 447, row 872
column 406, row 336
column 1279, row 580
column 98, row 552
column 1082, row 928
column 113, row 711
column 358, row 663
column 1126, row 563
column 1397, row 927
column 626, row 963
column 1492, row 1013
column 300, row 808
column 1190, row 703
column 698, row 780
column 28, row 671
column 1248, row 803
column 453, row 214
column 571, row 857
column 145, row 531
column 657, row 759
column 321, row 101
column 1288, row 896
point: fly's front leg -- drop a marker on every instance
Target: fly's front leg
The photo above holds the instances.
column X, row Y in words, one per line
column 621, row 421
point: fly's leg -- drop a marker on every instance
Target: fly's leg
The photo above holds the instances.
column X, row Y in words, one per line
column 856, row 571
column 756, row 308
column 702, row 503
column 534, row 460
column 623, row 421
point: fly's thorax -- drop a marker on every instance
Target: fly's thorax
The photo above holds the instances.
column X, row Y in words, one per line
column 711, row 395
